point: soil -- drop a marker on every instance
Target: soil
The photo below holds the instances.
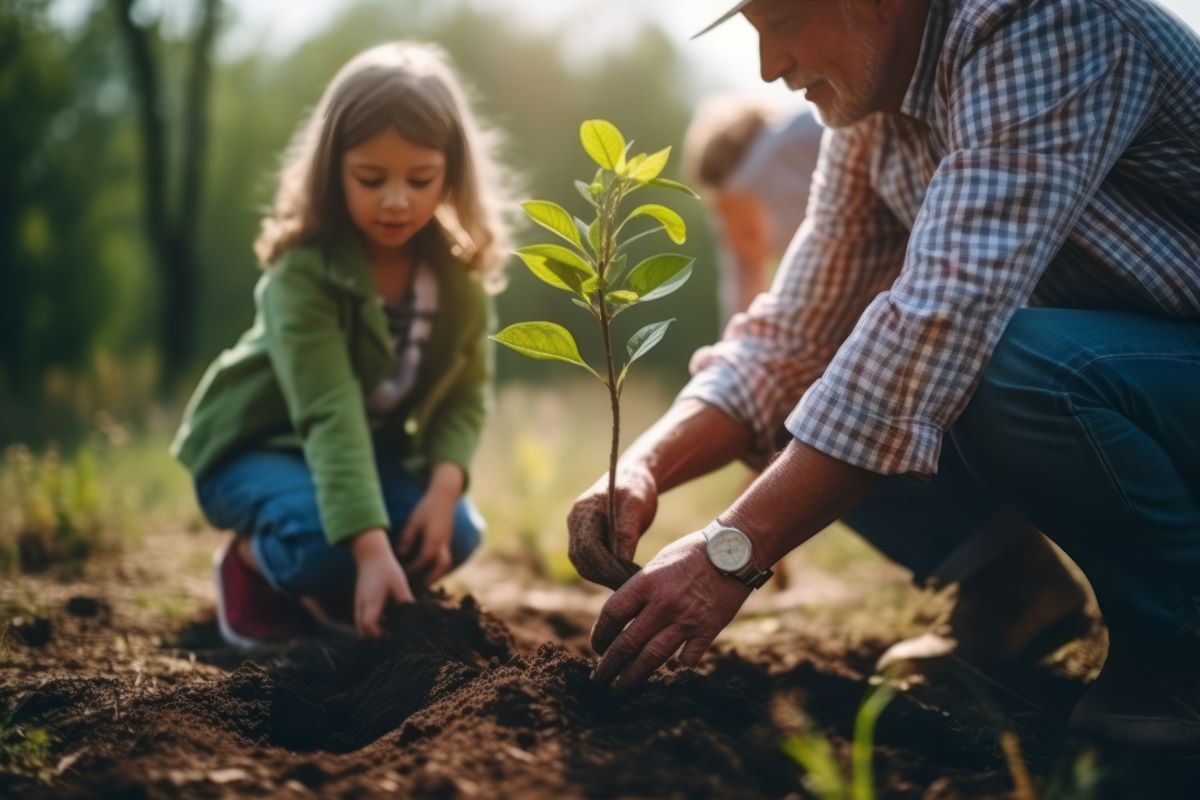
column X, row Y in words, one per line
column 459, row 702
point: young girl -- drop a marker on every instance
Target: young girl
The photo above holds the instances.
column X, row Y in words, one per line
column 334, row 438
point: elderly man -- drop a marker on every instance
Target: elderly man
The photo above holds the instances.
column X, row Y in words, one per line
column 996, row 292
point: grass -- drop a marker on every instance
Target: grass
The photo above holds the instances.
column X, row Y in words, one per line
column 58, row 509
column 543, row 445
column 814, row 752
column 24, row 751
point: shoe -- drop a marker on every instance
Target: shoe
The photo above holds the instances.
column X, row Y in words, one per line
column 251, row 612
column 1023, row 604
column 334, row 613
column 1146, row 698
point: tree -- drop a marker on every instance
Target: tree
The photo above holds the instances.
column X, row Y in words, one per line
column 171, row 220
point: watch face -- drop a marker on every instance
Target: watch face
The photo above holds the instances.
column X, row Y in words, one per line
column 729, row 550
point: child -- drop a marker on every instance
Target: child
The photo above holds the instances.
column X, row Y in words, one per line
column 334, row 438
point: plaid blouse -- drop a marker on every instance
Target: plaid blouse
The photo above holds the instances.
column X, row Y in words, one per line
column 1047, row 153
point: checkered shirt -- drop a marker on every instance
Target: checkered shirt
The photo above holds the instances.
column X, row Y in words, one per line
column 1047, row 153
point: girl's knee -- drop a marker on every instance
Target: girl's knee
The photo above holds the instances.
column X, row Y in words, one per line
column 469, row 527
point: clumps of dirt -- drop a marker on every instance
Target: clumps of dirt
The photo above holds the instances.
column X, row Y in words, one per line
column 454, row 703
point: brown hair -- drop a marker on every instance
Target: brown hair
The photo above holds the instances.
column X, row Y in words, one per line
column 719, row 136
column 411, row 88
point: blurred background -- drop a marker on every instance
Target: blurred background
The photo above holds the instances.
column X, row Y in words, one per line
column 138, row 140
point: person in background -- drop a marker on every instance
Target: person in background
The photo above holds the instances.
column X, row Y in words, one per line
column 753, row 164
column 335, row 438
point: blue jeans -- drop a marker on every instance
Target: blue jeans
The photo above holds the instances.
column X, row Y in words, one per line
column 269, row 496
column 1086, row 424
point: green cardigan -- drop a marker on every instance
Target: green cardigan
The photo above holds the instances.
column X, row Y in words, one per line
column 318, row 346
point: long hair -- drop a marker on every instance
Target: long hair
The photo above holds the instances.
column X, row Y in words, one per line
column 411, row 88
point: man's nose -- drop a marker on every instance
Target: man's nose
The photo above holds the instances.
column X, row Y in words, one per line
column 773, row 60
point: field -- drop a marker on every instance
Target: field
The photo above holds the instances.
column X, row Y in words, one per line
column 114, row 682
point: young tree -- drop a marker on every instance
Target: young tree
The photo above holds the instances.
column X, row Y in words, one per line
column 592, row 271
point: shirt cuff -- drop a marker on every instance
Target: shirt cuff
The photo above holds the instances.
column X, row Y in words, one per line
column 715, row 386
column 827, row 422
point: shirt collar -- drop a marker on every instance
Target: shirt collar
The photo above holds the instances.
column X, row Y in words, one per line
column 919, row 99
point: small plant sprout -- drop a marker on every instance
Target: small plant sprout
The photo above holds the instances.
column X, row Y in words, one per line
column 591, row 266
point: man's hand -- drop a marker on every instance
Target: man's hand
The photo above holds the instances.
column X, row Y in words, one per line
column 380, row 579
column 603, row 553
column 679, row 597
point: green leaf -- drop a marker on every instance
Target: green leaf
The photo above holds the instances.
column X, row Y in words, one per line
column 585, row 191
column 621, row 162
column 641, row 343
column 625, row 244
column 591, row 284
column 634, row 164
column 651, row 166
column 646, row 339
column 593, row 236
column 671, row 221
column 558, row 253
column 581, row 226
column 546, row 341
column 622, row 297
column 675, row 185
column 616, row 269
column 554, row 218
column 585, row 306
column 659, row 275
column 557, row 266
column 603, row 142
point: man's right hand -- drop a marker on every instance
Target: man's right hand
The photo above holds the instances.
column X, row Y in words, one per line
column 601, row 553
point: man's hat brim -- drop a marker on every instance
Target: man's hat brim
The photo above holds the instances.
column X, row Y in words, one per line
column 733, row 12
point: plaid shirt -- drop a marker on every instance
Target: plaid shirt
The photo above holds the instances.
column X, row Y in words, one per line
column 1047, row 153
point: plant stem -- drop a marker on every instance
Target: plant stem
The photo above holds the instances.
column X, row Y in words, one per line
column 607, row 212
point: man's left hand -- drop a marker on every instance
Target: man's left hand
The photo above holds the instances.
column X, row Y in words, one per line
column 679, row 596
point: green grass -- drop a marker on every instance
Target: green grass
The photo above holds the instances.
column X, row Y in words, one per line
column 24, row 751
column 58, row 510
column 814, row 752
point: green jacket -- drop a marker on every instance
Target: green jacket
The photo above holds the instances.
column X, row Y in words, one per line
column 318, row 346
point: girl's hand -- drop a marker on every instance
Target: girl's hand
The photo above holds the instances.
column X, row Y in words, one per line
column 424, row 545
column 380, row 579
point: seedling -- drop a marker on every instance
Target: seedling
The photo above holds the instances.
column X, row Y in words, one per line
column 592, row 269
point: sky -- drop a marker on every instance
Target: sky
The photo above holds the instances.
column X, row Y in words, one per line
column 727, row 58
column 724, row 58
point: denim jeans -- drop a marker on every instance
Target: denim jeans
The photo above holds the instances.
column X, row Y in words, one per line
column 269, row 495
column 1086, row 424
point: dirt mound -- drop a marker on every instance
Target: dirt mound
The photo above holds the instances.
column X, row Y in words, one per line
column 455, row 703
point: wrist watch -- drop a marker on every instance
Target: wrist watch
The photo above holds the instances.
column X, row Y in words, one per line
column 731, row 552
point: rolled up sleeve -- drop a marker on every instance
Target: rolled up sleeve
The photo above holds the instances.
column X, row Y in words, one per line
column 849, row 248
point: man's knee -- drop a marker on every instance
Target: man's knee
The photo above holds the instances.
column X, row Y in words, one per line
column 1015, row 397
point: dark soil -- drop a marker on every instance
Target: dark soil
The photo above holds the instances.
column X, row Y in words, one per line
column 459, row 703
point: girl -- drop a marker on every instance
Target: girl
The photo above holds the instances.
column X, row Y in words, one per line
column 334, row 438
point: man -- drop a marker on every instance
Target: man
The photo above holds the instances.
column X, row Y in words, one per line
column 1000, row 269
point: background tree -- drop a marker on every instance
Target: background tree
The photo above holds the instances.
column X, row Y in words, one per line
column 171, row 219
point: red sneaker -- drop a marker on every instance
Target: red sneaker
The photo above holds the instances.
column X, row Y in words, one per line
column 334, row 613
column 251, row 612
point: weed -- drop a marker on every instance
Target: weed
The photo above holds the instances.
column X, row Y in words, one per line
column 24, row 751
column 814, row 753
